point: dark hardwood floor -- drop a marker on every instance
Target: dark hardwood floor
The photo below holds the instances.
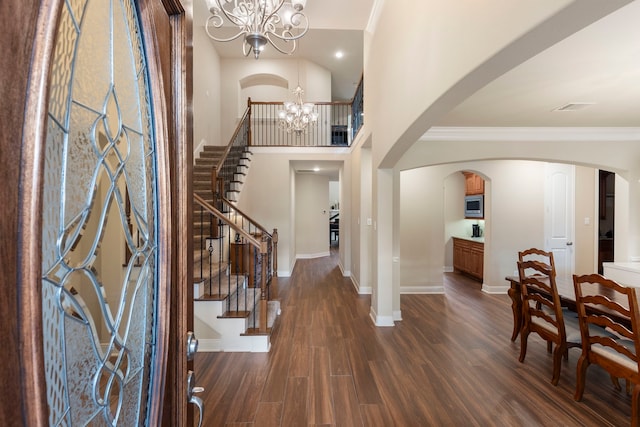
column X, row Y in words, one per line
column 449, row 362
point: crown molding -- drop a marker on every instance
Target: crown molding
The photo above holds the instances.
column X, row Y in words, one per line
column 440, row 133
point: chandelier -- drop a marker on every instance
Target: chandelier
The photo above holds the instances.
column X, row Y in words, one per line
column 298, row 115
column 259, row 21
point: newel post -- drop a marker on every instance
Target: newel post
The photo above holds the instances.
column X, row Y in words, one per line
column 264, row 249
column 274, row 241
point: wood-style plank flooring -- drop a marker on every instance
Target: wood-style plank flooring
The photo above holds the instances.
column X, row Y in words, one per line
column 449, row 362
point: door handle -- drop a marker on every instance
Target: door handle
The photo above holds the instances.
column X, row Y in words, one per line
column 191, row 395
column 192, row 345
column 569, row 243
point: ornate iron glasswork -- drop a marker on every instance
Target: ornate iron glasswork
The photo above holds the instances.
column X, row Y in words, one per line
column 98, row 314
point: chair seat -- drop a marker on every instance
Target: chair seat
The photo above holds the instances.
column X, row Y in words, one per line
column 615, row 356
column 572, row 327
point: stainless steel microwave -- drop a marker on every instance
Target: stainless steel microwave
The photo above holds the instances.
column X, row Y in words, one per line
column 474, row 206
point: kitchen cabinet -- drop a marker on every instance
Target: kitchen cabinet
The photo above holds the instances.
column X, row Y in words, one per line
column 468, row 257
column 474, row 184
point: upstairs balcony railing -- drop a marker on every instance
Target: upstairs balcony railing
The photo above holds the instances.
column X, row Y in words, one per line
column 337, row 124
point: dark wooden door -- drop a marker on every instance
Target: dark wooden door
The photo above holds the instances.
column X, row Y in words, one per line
column 57, row 214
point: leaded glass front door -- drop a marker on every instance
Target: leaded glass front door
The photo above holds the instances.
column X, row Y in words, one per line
column 103, row 246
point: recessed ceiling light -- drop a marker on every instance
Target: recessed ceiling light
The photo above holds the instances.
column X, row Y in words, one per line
column 339, row 54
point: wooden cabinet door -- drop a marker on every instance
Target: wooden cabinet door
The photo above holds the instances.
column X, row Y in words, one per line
column 474, row 184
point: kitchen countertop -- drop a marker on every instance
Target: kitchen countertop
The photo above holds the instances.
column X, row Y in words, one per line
column 632, row 266
column 471, row 239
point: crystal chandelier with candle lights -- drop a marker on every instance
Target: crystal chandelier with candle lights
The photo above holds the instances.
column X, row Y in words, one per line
column 277, row 22
column 299, row 115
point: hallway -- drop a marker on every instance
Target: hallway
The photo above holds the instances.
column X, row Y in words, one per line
column 448, row 363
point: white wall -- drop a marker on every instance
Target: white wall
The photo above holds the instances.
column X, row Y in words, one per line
column 206, row 94
column 269, row 196
column 315, row 80
column 425, row 65
column 334, row 193
column 514, row 218
column 585, row 207
column 312, row 215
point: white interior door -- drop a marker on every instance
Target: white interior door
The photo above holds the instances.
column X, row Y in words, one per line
column 559, row 217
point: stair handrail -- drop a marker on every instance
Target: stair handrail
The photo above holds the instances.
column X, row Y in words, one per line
column 245, row 116
column 251, row 220
column 215, row 212
column 273, row 236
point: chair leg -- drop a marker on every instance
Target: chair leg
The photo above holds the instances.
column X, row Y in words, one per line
column 635, row 417
column 549, row 346
column 581, row 373
column 524, row 334
column 558, row 353
column 616, row 383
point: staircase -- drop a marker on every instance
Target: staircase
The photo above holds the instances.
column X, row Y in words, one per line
column 227, row 306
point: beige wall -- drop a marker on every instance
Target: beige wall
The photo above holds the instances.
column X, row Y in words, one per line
column 315, row 80
column 586, row 193
column 430, row 213
column 206, row 94
column 312, row 215
column 269, row 196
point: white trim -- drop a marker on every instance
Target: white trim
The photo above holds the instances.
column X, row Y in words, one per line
column 209, row 345
column 419, row 290
column 397, row 315
column 447, row 269
column 345, row 273
column 381, row 321
column 441, row 133
column 366, row 290
column 300, row 150
column 309, row 256
column 494, row 289
column 374, row 16
column 284, row 273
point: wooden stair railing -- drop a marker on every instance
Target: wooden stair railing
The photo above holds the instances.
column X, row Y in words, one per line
column 263, row 247
column 223, row 174
column 252, row 226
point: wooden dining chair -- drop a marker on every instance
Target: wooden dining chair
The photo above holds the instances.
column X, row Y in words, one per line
column 612, row 308
column 542, row 313
column 535, row 254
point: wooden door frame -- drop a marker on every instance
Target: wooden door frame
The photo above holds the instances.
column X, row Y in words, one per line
column 26, row 45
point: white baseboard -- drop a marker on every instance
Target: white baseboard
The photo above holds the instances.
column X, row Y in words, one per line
column 366, row 290
column 397, row 315
column 419, row 290
column 447, row 269
column 345, row 273
column 310, row 256
column 381, row 321
column 240, row 344
column 494, row 289
column 209, row 345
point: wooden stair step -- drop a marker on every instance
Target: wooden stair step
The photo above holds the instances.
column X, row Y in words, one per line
column 234, row 315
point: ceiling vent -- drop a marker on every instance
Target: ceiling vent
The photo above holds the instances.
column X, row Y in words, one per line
column 574, row 106
column 305, row 171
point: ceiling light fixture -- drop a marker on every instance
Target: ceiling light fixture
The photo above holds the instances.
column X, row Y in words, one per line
column 260, row 22
column 297, row 115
